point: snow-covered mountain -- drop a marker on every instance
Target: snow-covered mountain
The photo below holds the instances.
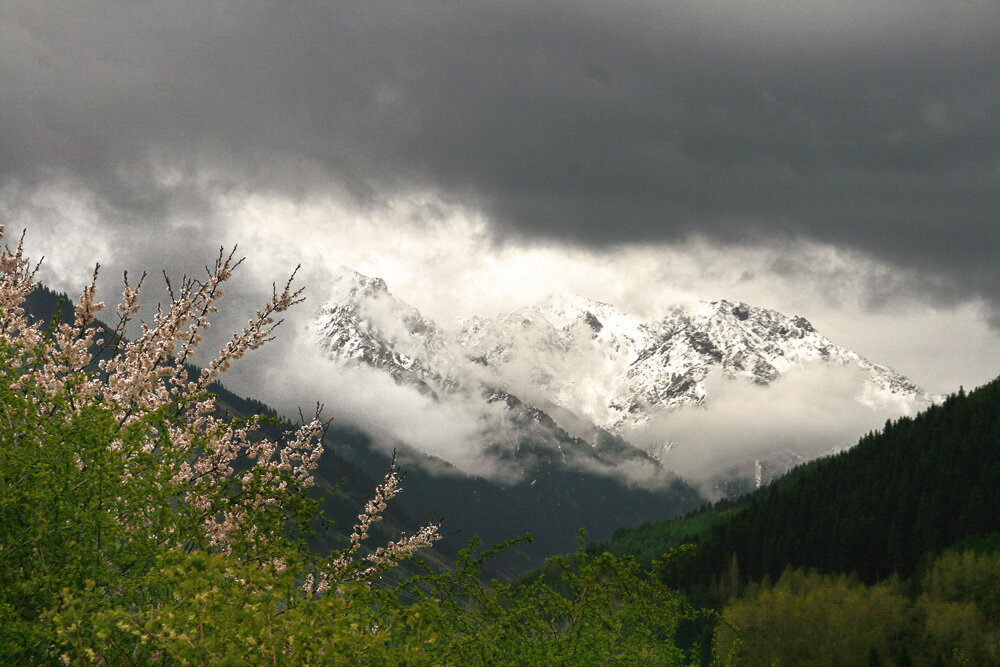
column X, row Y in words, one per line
column 617, row 370
column 586, row 365
column 363, row 323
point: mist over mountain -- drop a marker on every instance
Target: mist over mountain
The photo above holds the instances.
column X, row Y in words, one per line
column 716, row 391
column 914, row 487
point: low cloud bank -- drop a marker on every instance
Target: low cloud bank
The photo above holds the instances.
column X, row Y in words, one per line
column 456, row 430
column 808, row 411
column 448, row 264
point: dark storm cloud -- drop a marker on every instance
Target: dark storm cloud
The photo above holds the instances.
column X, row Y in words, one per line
column 867, row 124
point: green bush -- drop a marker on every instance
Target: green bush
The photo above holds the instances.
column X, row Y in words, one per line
column 596, row 609
column 819, row 619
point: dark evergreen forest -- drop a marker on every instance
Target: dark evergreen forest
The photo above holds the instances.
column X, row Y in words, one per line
column 914, row 488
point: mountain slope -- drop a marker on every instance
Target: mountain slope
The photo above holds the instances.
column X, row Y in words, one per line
column 917, row 486
column 599, row 373
column 744, row 342
column 552, row 503
column 366, row 326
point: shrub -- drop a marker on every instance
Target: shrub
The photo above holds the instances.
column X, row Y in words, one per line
column 587, row 609
column 135, row 521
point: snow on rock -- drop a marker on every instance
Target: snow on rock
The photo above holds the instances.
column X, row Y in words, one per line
column 585, row 359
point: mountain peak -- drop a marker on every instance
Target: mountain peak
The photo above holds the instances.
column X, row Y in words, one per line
column 350, row 285
column 591, row 361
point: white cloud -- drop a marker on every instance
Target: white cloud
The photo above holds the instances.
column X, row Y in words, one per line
column 456, row 430
column 809, row 411
column 442, row 257
column 62, row 223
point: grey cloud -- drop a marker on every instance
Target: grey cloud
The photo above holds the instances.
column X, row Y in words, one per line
column 870, row 125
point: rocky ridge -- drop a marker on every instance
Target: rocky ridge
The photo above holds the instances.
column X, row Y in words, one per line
column 585, row 365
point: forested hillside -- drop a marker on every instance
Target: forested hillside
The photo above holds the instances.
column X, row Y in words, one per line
column 887, row 553
column 918, row 485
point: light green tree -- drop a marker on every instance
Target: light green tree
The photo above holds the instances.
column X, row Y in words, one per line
column 807, row 618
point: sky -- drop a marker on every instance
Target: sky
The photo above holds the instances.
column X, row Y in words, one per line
column 836, row 160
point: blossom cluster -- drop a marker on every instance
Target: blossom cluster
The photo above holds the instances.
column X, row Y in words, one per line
column 383, row 558
column 217, row 475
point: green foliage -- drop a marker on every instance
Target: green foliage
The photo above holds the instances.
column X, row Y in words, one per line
column 811, row 619
column 83, row 528
column 820, row 619
column 966, row 576
column 58, row 479
column 221, row 610
column 207, row 609
column 600, row 609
